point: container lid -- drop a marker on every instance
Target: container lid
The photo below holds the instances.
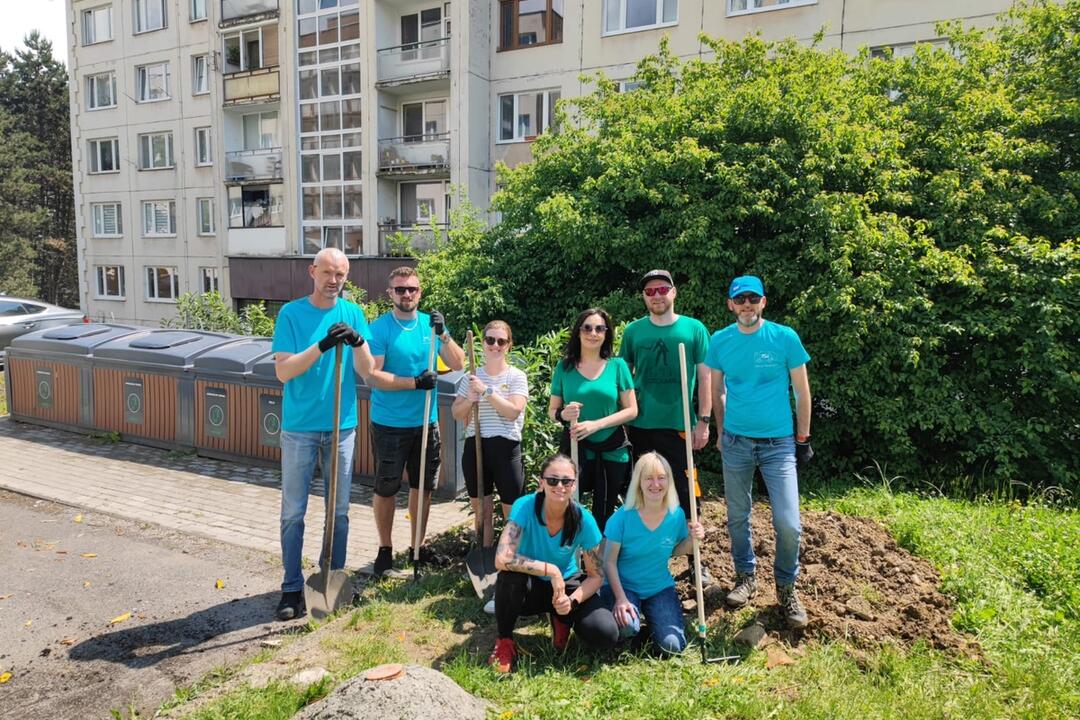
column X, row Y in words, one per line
column 171, row 348
column 235, row 357
column 78, row 339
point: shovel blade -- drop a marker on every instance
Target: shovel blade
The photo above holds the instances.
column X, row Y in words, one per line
column 326, row 592
column 481, row 571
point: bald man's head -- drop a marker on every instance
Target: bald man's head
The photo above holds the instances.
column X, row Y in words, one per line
column 328, row 270
column 331, row 255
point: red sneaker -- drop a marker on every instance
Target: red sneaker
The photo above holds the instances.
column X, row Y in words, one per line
column 502, row 657
column 560, row 632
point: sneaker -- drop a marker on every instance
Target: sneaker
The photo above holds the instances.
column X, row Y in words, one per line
column 291, row 605
column 560, row 632
column 706, row 577
column 489, row 606
column 793, row 609
column 745, row 587
column 502, row 657
column 383, row 561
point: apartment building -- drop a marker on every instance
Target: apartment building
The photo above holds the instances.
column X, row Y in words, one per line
column 219, row 144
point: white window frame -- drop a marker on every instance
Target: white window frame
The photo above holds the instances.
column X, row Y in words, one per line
column 204, row 216
column 142, row 76
column 758, row 6
column 150, row 277
column 621, row 28
column 147, row 158
column 97, row 220
column 204, row 148
column 198, row 88
column 546, row 120
column 245, row 65
column 95, row 156
column 193, row 10
column 139, row 16
column 91, row 95
column 88, row 37
column 101, row 289
column 210, row 280
column 150, row 229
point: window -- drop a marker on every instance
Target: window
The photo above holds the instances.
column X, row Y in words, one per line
column 256, row 206
column 198, row 10
column 742, row 7
column 110, row 281
column 204, row 212
column 626, row 86
column 420, row 203
column 200, row 75
column 155, row 151
column 630, row 15
column 203, row 154
column 159, row 218
column 97, row 24
column 149, row 15
column 246, row 50
column 523, row 116
column 209, row 280
column 105, row 155
column 107, row 219
column 152, row 82
column 101, row 91
column 421, row 120
column 260, row 130
column 162, row 283
column 523, row 23
column 421, row 28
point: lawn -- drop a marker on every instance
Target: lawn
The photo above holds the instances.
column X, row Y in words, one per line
column 3, row 395
column 1013, row 571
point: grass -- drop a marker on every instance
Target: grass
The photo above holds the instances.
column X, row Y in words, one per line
column 3, row 395
column 1013, row 571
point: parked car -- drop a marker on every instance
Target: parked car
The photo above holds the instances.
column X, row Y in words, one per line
column 19, row 316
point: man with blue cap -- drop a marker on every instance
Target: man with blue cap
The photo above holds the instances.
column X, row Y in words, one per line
column 754, row 362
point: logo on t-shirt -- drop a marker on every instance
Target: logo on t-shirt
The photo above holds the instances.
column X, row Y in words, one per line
column 766, row 359
column 660, row 350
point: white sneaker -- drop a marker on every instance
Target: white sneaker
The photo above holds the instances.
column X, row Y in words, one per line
column 489, row 607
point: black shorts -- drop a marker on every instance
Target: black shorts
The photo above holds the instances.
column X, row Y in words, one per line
column 672, row 445
column 503, row 468
column 397, row 450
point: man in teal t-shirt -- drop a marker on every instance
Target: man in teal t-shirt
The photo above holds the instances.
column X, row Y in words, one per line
column 303, row 333
column 754, row 363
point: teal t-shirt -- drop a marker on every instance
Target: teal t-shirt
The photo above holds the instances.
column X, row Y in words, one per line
column 404, row 349
column 599, row 398
column 644, row 553
column 653, row 353
column 537, row 544
column 308, row 405
column 756, row 371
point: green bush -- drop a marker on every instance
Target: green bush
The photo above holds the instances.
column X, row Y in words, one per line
column 209, row 311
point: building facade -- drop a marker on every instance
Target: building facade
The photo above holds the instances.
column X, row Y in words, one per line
column 219, row 144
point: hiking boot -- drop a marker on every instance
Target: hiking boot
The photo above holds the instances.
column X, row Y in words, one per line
column 745, row 587
column 383, row 561
column 706, row 577
column 560, row 632
column 793, row 610
column 502, row 657
column 291, row 605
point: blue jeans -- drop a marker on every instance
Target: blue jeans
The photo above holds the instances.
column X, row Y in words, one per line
column 662, row 611
column 299, row 452
column 776, row 459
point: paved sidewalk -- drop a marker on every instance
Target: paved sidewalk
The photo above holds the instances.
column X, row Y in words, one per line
column 233, row 503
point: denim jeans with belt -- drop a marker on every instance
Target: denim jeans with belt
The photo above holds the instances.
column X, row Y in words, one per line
column 776, row 459
column 299, row 453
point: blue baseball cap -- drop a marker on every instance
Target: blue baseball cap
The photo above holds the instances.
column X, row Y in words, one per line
column 746, row 284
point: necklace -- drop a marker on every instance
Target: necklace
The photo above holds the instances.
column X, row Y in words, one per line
column 416, row 321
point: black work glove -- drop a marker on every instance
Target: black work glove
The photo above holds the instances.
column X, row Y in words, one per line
column 352, row 337
column 803, row 452
column 334, row 336
column 426, row 380
column 438, row 323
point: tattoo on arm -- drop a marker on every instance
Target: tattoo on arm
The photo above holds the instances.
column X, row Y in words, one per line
column 593, row 566
column 508, row 552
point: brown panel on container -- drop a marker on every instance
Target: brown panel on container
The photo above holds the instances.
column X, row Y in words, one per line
column 160, row 397
column 242, row 438
column 65, row 389
column 363, row 452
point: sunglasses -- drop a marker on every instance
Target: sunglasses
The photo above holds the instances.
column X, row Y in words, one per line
column 662, row 290
column 598, row 329
column 553, row 481
column 406, row 289
column 501, row 342
column 748, row 298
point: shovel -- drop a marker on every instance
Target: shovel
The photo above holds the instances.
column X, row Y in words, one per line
column 328, row 590
column 481, row 572
column 423, row 464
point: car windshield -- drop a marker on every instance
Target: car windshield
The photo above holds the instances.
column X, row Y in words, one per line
column 10, row 307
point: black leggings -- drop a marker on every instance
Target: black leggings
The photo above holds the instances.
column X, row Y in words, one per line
column 607, row 480
column 518, row 594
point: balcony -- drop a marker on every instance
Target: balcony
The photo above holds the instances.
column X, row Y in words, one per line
column 263, row 165
column 405, row 240
column 252, row 86
column 240, row 11
column 414, row 62
column 415, row 155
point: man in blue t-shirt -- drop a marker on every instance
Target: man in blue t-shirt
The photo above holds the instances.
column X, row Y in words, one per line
column 754, row 363
column 305, row 330
column 400, row 341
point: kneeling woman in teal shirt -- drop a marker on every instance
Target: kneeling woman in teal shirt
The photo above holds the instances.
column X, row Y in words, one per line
column 642, row 536
column 538, row 567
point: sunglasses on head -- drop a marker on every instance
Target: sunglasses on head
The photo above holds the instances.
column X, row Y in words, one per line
column 661, row 290
column 747, row 298
column 599, row 329
column 405, row 289
column 553, row 481
column 501, row 342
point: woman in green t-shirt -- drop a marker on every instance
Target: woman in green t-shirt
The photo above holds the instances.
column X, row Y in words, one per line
column 596, row 390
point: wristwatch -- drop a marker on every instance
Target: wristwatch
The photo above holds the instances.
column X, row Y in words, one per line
column 703, row 418
column 489, row 391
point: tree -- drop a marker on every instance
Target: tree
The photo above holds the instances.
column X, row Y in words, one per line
column 19, row 223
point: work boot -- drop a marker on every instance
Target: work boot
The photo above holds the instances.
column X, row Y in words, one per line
column 502, row 657
column 706, row 577
column 793, row 610
column 560, row 632
column 745, row 587
column 383, row 561
column 291, row 605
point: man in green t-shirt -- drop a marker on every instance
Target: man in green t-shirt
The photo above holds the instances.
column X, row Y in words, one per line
column 650, row 346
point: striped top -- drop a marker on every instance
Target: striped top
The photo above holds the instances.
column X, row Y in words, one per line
column 511, row 381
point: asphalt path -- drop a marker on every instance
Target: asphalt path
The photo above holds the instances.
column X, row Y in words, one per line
column 100, row 614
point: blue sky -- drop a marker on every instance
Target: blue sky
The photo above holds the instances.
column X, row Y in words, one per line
column 22, row 16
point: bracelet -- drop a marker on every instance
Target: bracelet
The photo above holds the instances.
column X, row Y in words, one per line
column 802, row 438
column 558, row 415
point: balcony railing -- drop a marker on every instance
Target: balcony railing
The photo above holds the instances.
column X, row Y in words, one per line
column 237, row 9
column 248, row 165
column 415, row 154
column 414, row 62
column 402, row 240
